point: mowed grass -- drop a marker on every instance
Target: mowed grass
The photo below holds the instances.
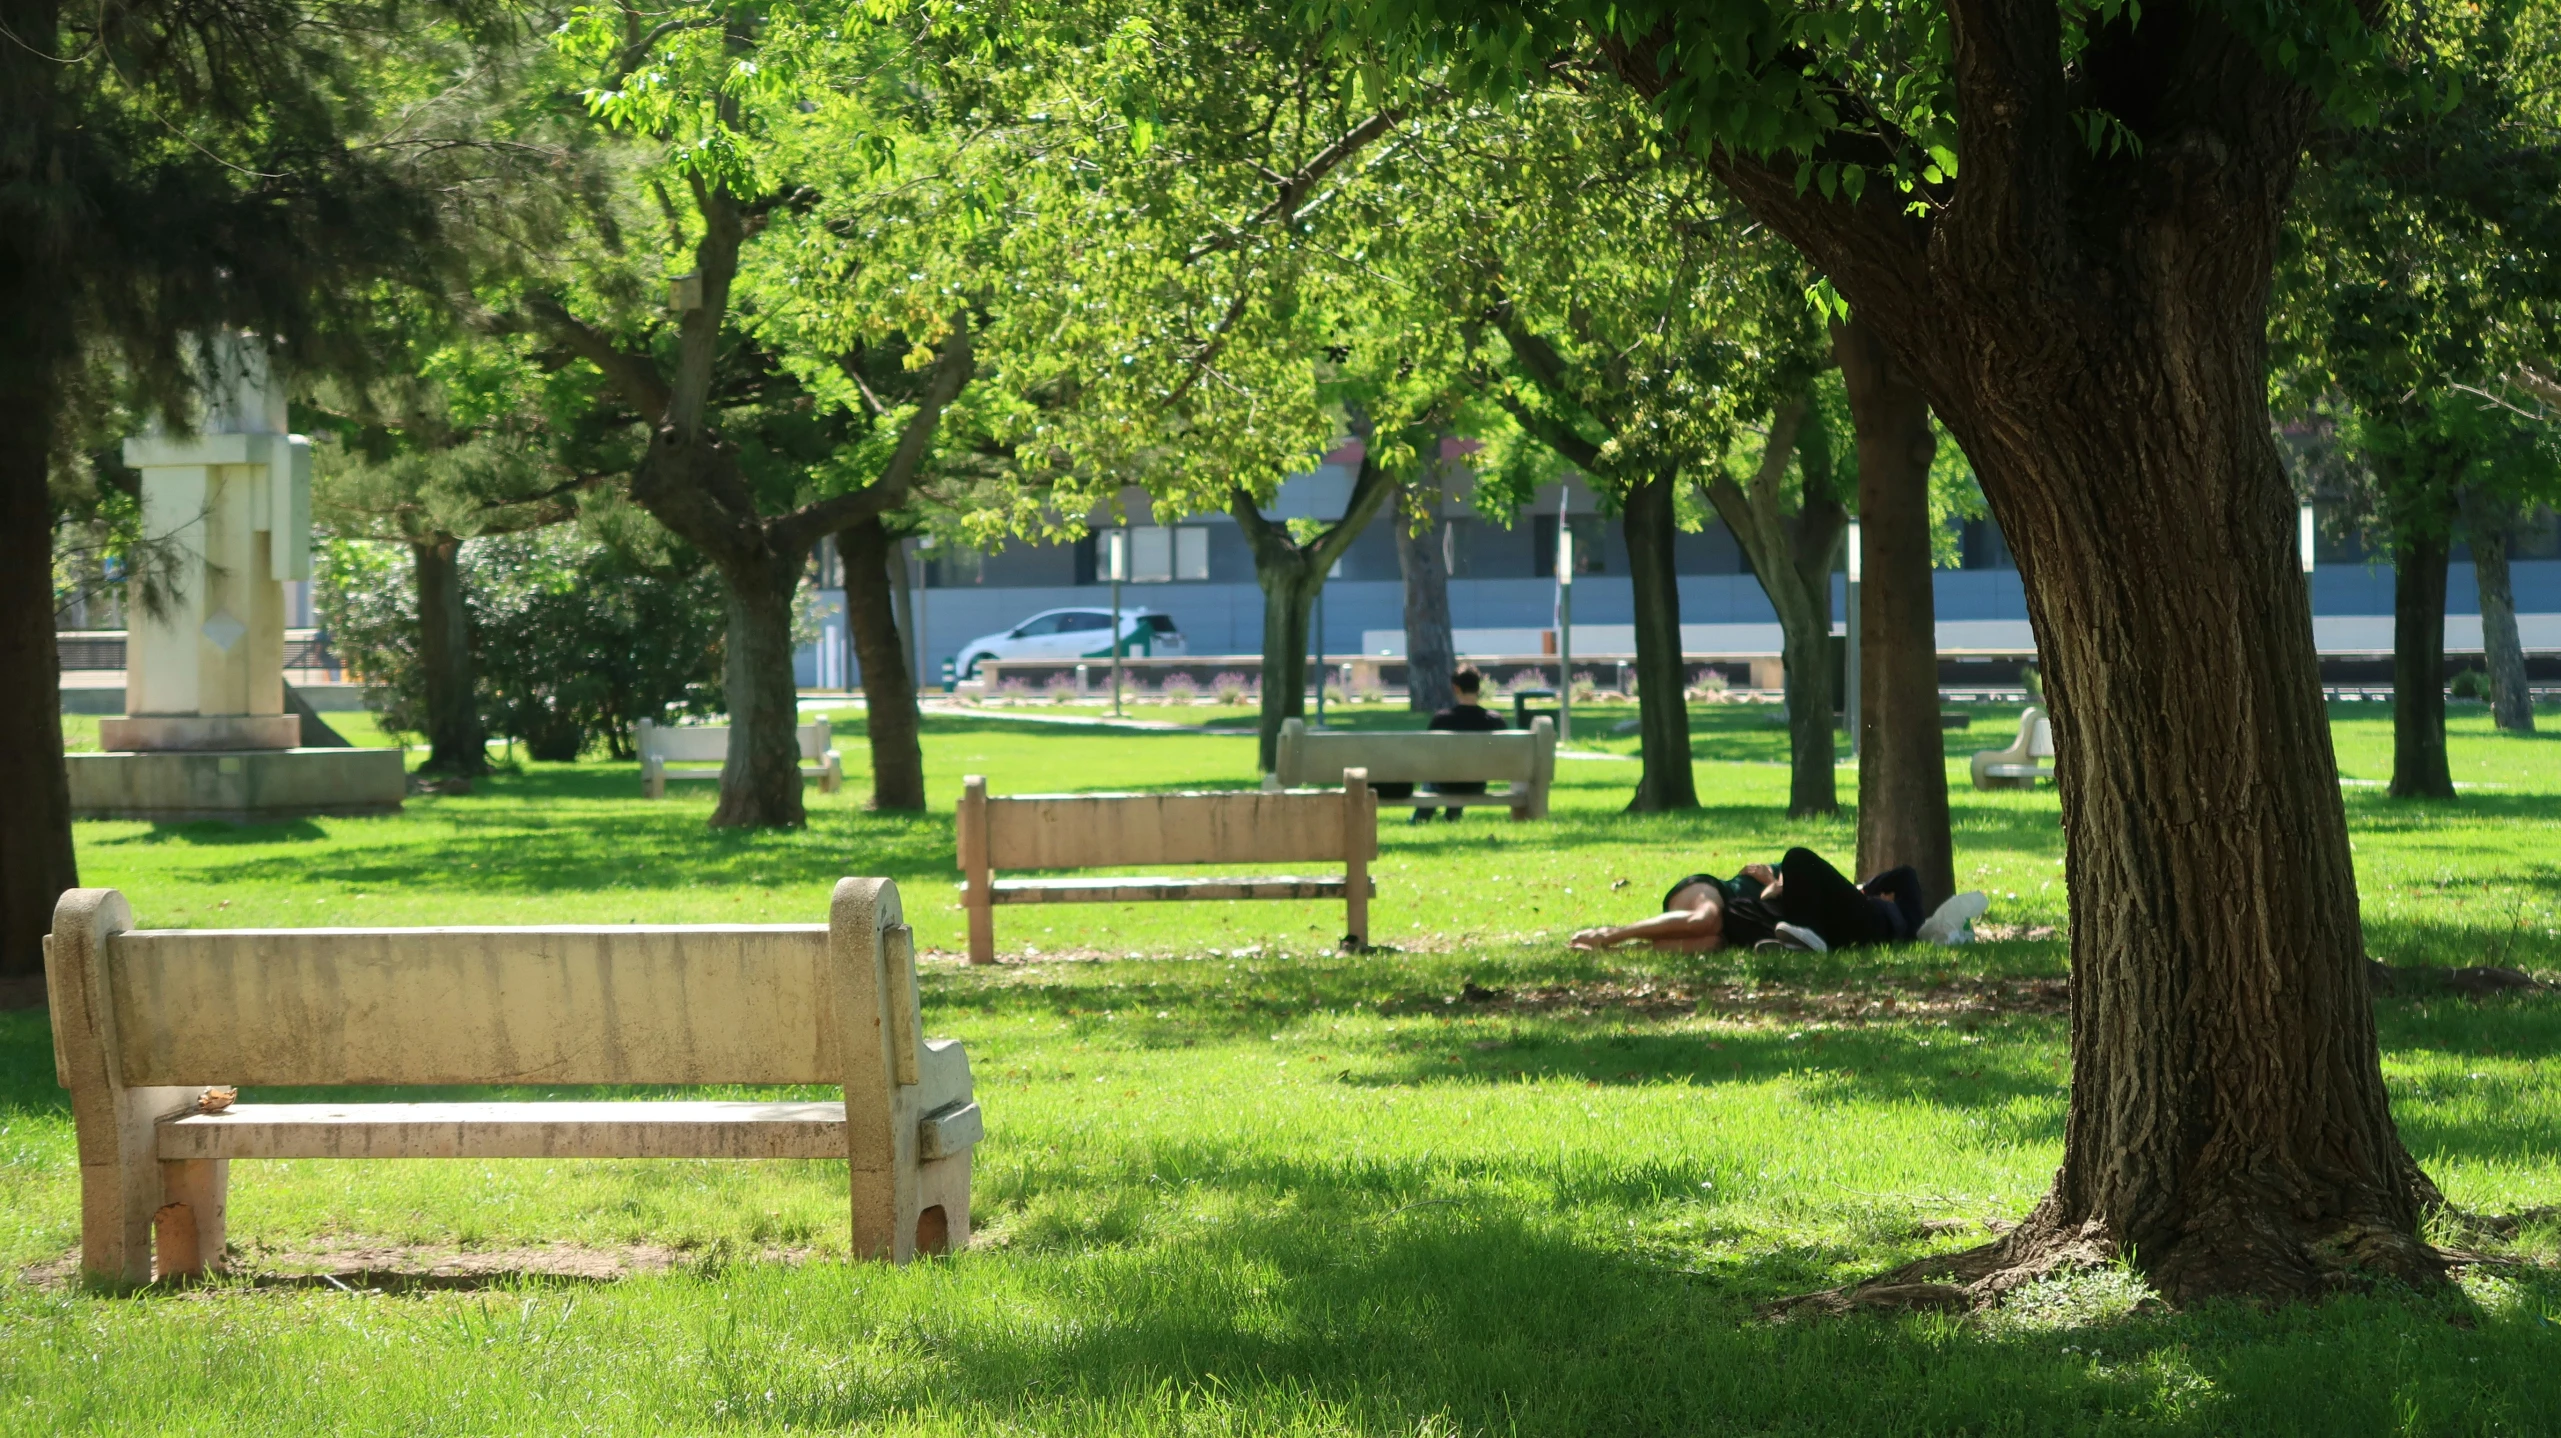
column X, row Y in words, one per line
column 1238, row 1182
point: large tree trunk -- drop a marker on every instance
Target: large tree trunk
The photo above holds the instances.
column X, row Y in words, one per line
column 1289, row 592
column 36, row 858
column 1430, row 654
column 1791, row 555
column 889, row 688
column 1902, row 784
column 2419, row 768
column 36, row 862
column 1292, row 573
column 760, row 782
column 1811, row 659
column 2487, row 523
column 2092, row 328
column 1662, row 701
column 457, row 743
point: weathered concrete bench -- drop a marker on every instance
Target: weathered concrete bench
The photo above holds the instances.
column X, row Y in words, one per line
column 2029, row 758
column 663, row 745
column 1525, row 759
column 1109, row 831
column 145, row 1020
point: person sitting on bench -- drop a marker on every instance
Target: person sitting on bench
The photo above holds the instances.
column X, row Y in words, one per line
column 1469, row 716
column 1804, row 903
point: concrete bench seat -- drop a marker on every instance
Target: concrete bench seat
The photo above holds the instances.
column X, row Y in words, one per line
column 1152, row 888
column 662, row 746
column 646, row 1128
column 1115, row 831
column 146, row 1021
column 1523, row 760
column 2028, row 759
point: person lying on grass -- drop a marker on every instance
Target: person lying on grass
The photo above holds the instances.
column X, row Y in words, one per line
column 1804, row 903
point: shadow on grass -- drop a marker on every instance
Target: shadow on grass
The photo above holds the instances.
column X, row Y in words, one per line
column 1482, row 1314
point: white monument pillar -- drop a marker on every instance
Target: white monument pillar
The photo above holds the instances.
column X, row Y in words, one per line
column 234, row 501
column 206, row 734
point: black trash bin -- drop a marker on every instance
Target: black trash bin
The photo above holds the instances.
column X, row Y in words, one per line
column 1523, row 711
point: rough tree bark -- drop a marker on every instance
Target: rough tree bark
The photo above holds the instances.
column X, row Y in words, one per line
column 2091, row 327
column 457, row 742
column 1902, row 755
column 889, row 686
column 36, row 856
column 1430, row 653
column 1791, row 555
column 690, row 481
column 2419, row 769
column 2487, row 522
column 1290, row 574
column 1662, row 697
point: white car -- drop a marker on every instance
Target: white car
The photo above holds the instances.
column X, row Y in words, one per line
column 1074, row 634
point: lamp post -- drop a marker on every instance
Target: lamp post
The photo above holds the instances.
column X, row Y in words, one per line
column 1320, row 658
column 2303, row 538
column 1850, row 677
column 1564, row 626
column 924, row 572
column 1116, row 562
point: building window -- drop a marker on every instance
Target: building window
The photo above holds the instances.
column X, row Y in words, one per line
column 1159, row 554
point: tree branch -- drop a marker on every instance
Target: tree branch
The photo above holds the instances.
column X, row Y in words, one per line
column 634, row 377
column 1294, row 190
column 952, row 371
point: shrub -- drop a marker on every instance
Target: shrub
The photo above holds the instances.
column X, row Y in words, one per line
column 1014, row 686
column 1061, row 687
column 1181, row 688
column 573, row 640
column 1231, row 688
column 1710, row 684
column 2470, row 684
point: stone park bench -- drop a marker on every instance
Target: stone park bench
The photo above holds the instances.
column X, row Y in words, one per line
column 1523, row 759
column 2029, row 758
column 145, row 1020
column 662, row 745
column 1107, row 831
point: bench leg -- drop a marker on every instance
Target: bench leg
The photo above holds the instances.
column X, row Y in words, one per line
column 189, row 1228
column 982, row 933
column 942, row 1201
column 120, row 1197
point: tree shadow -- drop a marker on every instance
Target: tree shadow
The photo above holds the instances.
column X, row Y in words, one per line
column 1379, row 1300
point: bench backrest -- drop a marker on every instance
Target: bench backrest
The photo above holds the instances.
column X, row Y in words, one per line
column 709, row 743
column 1097, row 831
column 2036, row 735
column 1516, row 755
column 749, row 1004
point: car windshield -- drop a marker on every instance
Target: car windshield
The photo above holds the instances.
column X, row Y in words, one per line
column 1161, row 623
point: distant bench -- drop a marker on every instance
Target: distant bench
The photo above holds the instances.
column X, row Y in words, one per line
column 1525, row 759
column 1106, row 831
column 2029, row 758
column 144, row 1020
column 662, row 745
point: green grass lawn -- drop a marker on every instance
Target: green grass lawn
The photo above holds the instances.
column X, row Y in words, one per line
column 1236, row 1182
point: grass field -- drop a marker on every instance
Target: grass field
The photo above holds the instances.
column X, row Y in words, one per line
column 1236, row 1182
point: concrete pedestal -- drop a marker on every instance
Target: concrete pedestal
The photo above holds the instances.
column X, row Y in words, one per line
column 223, row 733
column 245, row 786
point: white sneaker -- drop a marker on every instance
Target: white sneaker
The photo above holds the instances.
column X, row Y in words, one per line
column 1954, row 921
column 1801, row 937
